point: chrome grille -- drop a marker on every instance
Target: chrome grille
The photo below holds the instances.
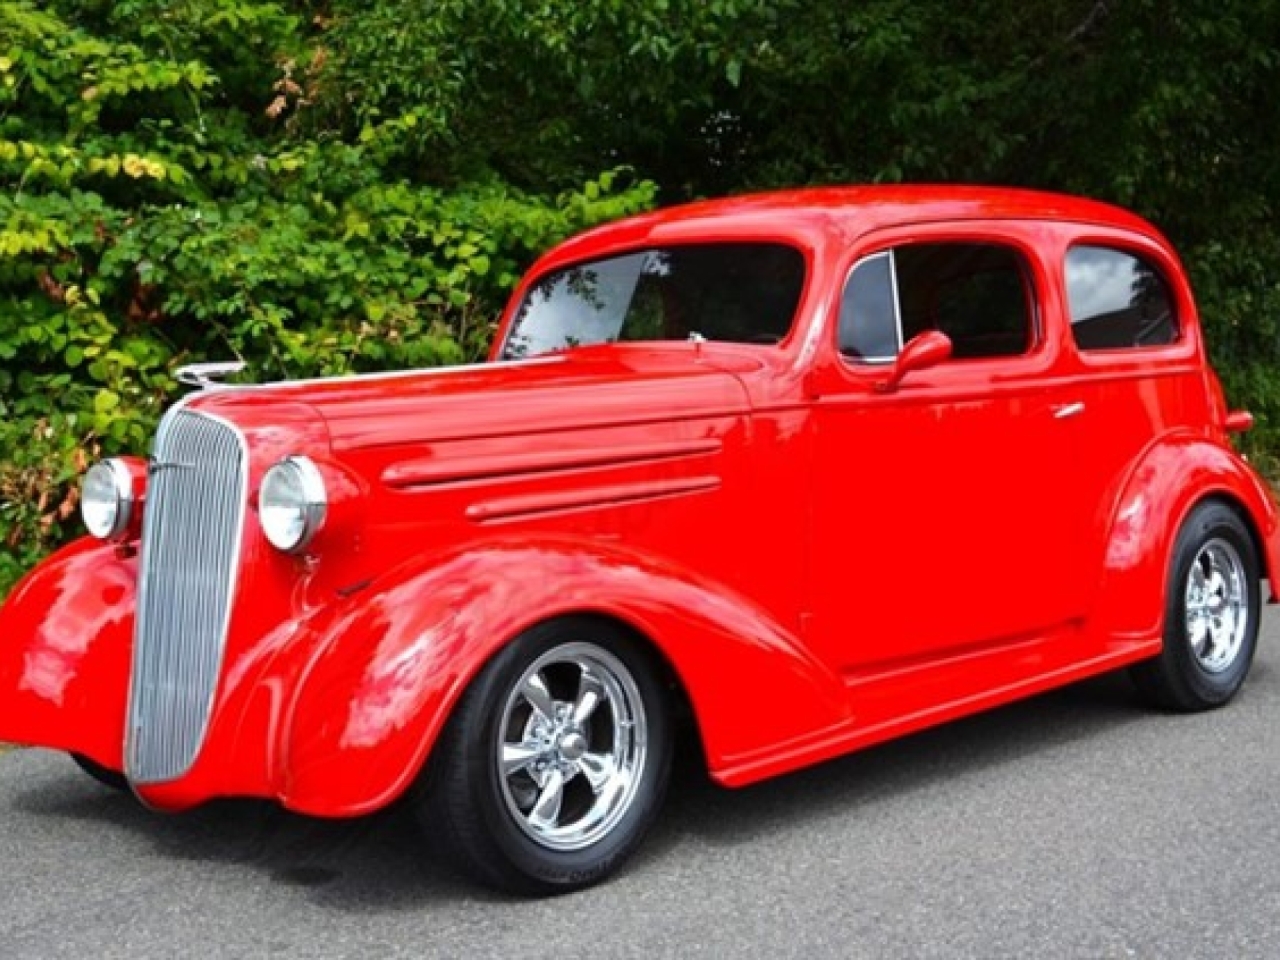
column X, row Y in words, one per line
column 193, row 517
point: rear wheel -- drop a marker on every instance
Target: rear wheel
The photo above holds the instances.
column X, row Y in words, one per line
column 1211, row 614
column 555, row 762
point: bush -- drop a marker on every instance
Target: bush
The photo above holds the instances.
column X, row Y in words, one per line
column 159, row 208
column 319, row 188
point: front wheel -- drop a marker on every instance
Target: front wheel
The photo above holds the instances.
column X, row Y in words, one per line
column 104, row 775
column 1211, row 614
column 555, row 761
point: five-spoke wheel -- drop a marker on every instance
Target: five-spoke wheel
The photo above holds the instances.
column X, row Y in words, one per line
column 1217, row 606
column 574, row 740
column 1211, row 614
column 555, row 761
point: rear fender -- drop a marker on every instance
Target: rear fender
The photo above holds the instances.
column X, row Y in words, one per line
column 66, row 635
column 1172, row 476
column 382, row 684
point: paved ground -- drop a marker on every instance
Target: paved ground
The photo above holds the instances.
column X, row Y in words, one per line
column 1076, row 825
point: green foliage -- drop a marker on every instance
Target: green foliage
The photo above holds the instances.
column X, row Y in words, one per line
column 161, row 204
column 320, row 187
column 1163, row 107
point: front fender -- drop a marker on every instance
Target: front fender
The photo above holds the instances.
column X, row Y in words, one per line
column 1171, row 477
column 379, row 689
column 66, row 636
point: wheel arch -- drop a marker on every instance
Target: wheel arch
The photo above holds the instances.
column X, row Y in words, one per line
column 384, row 681
column 66, row 633
column 1168, row 481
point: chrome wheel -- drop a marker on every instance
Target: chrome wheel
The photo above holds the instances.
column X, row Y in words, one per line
column 1212, row 611
column 1216, row 606
column 572, row 747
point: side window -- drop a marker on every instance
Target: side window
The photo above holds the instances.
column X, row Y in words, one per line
column 869, row 328
column 978, row 294
column 1118, row 301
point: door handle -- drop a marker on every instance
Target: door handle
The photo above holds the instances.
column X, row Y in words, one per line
column 1064, row 410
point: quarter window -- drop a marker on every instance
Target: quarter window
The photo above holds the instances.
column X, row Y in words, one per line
column 978, row 294
column 1118, row 300
column 869, row 328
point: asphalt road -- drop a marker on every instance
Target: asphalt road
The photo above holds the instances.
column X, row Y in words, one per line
column 1075, row 825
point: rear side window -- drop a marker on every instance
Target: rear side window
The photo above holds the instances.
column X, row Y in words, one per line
column 978, row 294
column 1118, row 301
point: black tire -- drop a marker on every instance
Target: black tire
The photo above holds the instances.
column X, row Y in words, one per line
column 104, row 775
column 1215, row 556
column 488, row 821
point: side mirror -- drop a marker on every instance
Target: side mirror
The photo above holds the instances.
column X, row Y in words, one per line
column 927, row 350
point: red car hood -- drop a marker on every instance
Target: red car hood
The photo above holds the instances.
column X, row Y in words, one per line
column 589, row 387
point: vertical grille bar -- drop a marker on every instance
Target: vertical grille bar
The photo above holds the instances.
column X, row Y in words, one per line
column 191, row 531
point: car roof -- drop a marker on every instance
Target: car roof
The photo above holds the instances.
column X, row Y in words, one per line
column 848, row 210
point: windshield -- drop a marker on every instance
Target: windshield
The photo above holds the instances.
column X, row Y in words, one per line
column 742, row 292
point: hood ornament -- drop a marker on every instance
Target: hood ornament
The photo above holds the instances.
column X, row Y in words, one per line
column 207, row 376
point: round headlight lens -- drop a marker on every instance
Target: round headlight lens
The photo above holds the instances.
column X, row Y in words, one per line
column 106, row 499
column 292, row 503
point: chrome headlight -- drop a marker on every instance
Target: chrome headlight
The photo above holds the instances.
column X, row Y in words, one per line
column 107, row 499
column 292, row 503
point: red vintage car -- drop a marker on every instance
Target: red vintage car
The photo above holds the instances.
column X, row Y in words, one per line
column 803, row 471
